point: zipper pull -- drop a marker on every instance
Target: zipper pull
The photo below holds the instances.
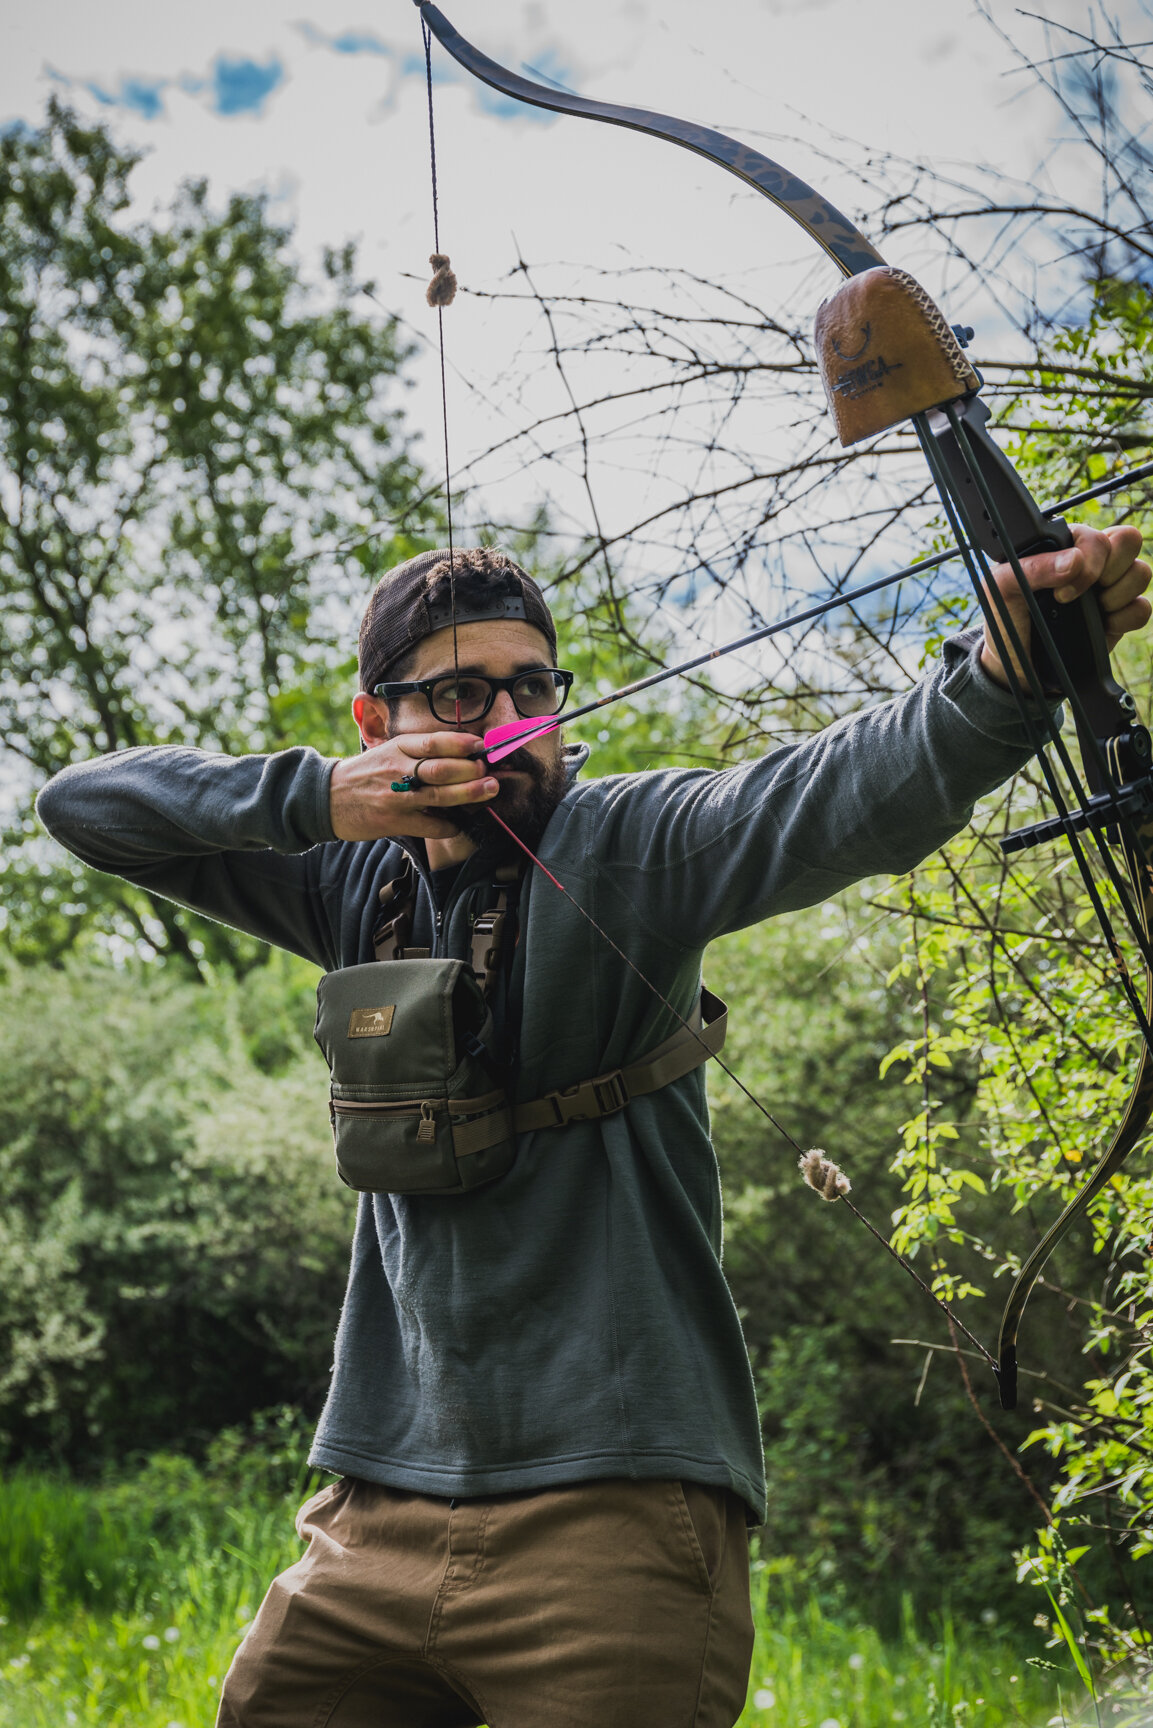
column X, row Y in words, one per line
column 427, row 1129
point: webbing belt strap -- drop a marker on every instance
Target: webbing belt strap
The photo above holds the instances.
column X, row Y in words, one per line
column 604, row 1095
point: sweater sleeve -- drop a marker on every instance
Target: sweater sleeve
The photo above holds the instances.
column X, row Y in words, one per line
column 238, row 838
column 697, row 854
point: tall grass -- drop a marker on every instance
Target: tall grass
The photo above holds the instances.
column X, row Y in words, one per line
column 123, row 1601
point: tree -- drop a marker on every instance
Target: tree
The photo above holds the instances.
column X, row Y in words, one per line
column 202, row 466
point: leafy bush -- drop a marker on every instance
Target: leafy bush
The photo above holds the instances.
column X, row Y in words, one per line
column 879, row 1472
column 173, row 1238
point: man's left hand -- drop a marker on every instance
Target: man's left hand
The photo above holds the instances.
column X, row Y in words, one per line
column 1106, row 562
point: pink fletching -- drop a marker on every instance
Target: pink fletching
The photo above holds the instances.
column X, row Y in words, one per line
column 501, row 741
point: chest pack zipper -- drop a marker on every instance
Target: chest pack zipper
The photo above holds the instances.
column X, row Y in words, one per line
column 424, row 1108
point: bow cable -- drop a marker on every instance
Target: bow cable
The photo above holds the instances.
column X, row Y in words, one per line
column 837, row 1184
column 838, row 1192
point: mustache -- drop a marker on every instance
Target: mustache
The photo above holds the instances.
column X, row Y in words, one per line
column 523, row 762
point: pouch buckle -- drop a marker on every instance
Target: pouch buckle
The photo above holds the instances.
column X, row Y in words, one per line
column 487, row 933
column 603, row 1096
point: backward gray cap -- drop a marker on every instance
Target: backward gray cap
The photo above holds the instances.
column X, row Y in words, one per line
column 402, row 611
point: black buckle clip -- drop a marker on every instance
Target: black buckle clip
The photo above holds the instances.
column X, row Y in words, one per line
column 610, row 1093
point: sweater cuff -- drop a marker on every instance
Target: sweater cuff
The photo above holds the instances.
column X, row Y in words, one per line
column 322, row 815
column 984, row 702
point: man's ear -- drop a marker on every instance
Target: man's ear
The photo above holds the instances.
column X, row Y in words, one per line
column 371, row 719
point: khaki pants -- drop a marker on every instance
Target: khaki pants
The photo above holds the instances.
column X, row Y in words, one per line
column 611, row 1604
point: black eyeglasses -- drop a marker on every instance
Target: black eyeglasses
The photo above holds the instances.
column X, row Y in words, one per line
column 462, row 698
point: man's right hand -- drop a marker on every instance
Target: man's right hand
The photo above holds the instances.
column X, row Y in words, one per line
column 363, row 806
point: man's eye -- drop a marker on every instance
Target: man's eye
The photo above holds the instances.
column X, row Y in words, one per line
column 536, row 685
column 466, row 691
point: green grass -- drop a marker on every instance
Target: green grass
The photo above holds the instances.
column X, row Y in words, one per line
column 124, row 1600
column 813, row 1671
column 156, row 1656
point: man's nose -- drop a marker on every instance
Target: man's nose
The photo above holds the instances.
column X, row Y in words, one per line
column 502, row 711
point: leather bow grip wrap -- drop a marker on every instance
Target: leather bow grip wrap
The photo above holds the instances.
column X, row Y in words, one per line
column 886, row 353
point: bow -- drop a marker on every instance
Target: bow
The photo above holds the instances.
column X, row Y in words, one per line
column 994, row 519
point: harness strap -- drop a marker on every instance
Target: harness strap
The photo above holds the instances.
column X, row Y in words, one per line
column 476, row 1124
column 483, row 1121
column 398, row 898
column 390, row 937
column 488, row 930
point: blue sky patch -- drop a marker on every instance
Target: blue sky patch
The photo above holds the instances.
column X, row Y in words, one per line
column 143, row 96
column 549, row 68
column 232, row 85
column 508, row 108
column 412, row 66
column 346, row 42
column 242, row 86
column 490, row 100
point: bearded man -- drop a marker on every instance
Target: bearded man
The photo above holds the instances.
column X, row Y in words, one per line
column 541, row 1415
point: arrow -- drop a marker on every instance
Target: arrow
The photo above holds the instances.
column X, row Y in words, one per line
column 501, row 741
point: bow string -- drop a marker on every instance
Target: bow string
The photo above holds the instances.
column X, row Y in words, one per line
column 994, row 519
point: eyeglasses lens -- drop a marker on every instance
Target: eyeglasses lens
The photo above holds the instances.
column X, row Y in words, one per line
column 461, row 698
column 466, row 699
column 539, row 693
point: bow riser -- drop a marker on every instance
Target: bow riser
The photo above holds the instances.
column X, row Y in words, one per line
column 887, row 354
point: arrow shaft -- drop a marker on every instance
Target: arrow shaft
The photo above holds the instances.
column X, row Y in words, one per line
column 923, row 567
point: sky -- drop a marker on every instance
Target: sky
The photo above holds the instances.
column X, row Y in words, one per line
column 322, row 106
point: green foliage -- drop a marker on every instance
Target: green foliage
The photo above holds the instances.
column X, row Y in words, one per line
column 909, row 1482
column 598, row 638
column 203, row 470
column 173, row 1241
column 65, row 1542
column 1023, row 1019
column 1021, row 1065
column 1090, row 396
column 123, row 1600
column 810, row 1667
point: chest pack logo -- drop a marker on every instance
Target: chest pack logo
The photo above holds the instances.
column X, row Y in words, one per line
column 371, row 1022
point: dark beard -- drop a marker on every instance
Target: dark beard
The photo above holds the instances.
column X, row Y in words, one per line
column 526, row 809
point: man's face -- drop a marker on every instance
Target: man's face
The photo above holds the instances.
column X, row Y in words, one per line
column 533, row 778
